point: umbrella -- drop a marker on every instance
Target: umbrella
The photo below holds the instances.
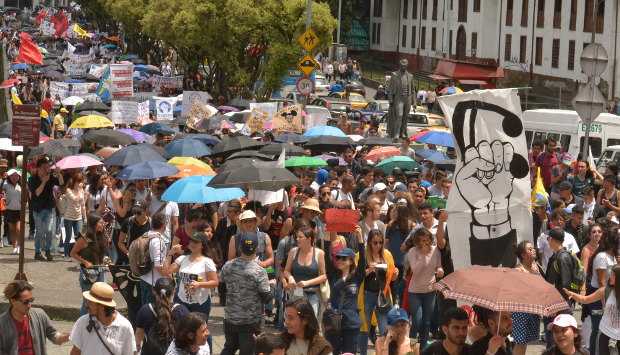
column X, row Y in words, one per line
column 259, row 178
column 8, row 83
column 450, row 90
column 502, row 290
column 237, row 163
column 72, row 101
column 56, row 148
column 108, row 137
column 91, row 121
column 105, row 152
column 91, row 155
column 7, row 145
column 138, row 136
column 317, row 131
column 193, row 170
column 442, row 138
column 249, row 154
column 276, row 149
column 305, row 162
column 227, row 109
column 289, row 137
column 147, row 170
column 76, row 162
column 374, row 140
column 88, row 113
column 146, row 68
column 5, row 129
column 332, row 160
column 55, row 75
column 134, row 154
column 434, row 156
column 328, row 143
column 380, row 153
column 205, row 138
column 399, row 161
column 156, row 128
column 238, row 117
column 187, row 148
column 233, row 144
column 92, row 106
column 194, row 189
column 19, row 66
column 189, row 161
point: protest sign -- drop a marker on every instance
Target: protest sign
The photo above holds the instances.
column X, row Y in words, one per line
column 192, row 101
column 77, row 65
column 126, row 112
column 170, row 82
column 341, row 220
column 288, row 119
column 268, row 108
column 489, row 204
column 143, row 112
column 65, row 90
column 165, row 107
column 96, row 70
column 121, row 80
column 47, row 28
column 256, row 121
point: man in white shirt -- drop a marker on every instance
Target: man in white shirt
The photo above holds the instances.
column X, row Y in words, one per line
column 343, row 197
column 103, row 330
column 558, row 220
column 157, row 253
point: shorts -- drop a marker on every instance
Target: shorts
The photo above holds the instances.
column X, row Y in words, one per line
column 11, row 216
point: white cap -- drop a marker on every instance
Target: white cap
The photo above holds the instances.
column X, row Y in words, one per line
column 247, row 214
column 563, row 321
column 13, row 171
column 379, row 187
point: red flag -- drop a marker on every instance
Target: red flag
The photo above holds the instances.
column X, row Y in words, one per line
column 29, row 52
column 61, row 23
column 41, row 16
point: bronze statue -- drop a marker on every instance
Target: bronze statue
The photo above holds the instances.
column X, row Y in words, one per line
column 401, row 94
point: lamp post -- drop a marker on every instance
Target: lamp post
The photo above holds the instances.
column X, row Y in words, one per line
column 589, row 101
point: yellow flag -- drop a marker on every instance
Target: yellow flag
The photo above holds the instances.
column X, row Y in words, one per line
column 79, row 31
column 540, row 197
column 15, row 99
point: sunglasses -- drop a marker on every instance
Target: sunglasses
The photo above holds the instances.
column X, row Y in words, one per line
column 27, row 302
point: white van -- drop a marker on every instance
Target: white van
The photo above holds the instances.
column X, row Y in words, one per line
column 566, row 127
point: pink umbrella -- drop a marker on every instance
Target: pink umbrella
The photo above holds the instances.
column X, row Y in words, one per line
column 76, row 162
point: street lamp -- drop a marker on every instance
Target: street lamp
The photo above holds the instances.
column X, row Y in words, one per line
column 589, row 101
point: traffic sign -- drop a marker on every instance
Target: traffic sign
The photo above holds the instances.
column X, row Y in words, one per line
column 308, row 40
column 25, row 126
column 305, row 86
column 307, row 64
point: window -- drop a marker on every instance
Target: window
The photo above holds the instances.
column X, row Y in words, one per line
column 508, row 48
column 555, row 53
column 413, row 36
column 522, row 49
column 476, row 5
column 424, row 9
column 571, row 55
column 405, row 8
column 525, row 9
column 451, row 4
column 450, row 44
column 423, row 38
column 540, row 14
column 613, row 141
column 379, row 33
column 414, row 9
column 474, row 43
column 404, row 39
column 373, row 37
column 596, row 145
column 433, row 38
column 589, row 19
column 539, row 51
column 378, row 10
column 573, row 15
column 463, row 10
column 509, row 6
column 557, row 14
column 434, row 10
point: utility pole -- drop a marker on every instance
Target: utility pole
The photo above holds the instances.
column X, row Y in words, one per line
column 339, row 19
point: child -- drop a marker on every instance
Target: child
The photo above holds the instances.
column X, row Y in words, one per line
column 270, row 344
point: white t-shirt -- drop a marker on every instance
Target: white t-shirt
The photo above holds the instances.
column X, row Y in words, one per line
column 570, row 244
column 13, row 196
column 338, row 195
column 610, row 323
column 602, row 261
column 157, row 252
column 190, row 271
column 203, row 350
column 171, row 210
column 119, row 336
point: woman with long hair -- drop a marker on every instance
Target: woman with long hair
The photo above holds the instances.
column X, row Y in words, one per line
column 12, row 193
column 375, row 295
column 302, row 335
column 89, row 251
column 397, row 231
column 526, row 326
column 73, row 209
column 595, row 235
column 110, row 204
column 190, row 336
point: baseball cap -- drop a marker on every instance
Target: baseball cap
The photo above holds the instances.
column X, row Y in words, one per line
column 64, row 110
column 379, row 187
column 557, row 234
column 247, row 214
column 13, row 171
column 249, row 243
column 395, row 315
column 346, row 252
column 563, row 321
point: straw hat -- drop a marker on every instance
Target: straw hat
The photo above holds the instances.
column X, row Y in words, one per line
column 311, row 204
column 101, row 293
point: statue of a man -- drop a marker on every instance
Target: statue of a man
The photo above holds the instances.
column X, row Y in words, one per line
column 401, row 94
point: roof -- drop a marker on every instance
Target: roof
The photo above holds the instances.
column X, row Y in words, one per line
column 464, row 71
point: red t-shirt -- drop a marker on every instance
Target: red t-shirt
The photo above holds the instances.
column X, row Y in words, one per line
column 47, row 105
column 24, row 338
column 183, row 237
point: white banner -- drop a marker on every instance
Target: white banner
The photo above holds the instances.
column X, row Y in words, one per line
column 174, row 82
column 191, row 99
column 96, row 70
column 124, row 112
column 489, row 203
column 77, row 65
column 121, row 80
column 143, row 111
column 65, row 90
column 165, row 107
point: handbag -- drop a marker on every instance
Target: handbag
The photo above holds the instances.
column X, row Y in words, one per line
column 332, row 318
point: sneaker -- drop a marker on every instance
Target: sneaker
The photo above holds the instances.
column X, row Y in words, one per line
column 49, row 256
column 15, row 250
column 39, row 257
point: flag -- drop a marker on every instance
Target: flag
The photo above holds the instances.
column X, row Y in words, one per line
column 61, row 23
column 540, row 197
column 15, row 99
column 103, row 89
column 79, row 31
column 40, row 16
column 29, row 52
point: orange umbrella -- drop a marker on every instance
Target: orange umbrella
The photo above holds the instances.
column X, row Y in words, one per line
column 193, row 170
column 105, row 152
column 380, row 153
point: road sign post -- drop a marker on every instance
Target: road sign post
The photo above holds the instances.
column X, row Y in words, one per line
column 305, row 86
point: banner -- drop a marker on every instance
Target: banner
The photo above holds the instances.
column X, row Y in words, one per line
column 268, row 108
column 165, row 107
column 173, row 82
column 65, row 90
column 288, row 119
column 78, row 65
column 489, row 204
column 125, row 112
column 121, row 80
column 192, row 102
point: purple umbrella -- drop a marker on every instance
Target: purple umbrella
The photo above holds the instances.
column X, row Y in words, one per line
column 227, row 109
column 140, row 137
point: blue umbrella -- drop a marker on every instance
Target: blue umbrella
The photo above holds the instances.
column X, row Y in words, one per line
column 194, row 189
column 187, row 147
column 442, row 138
column 147, row 170
column 204, row 138
column 19, row 66
column 431, row 155
column 156, row 127
column 324, row 131
column 134, row 154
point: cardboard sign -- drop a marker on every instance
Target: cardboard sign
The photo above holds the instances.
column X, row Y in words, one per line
column 78, row 65
column 192, row 103
column 256, row 121
column 143, row 112
column 65, row 90
column 25, row 125
column 124, row 112
column 288, row 119
column 165, row 107
column 341, row 220
column 171, row 82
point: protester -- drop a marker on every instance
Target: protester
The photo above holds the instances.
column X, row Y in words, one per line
column 302, row 330
column 191, row 333
column 566, row 338
column 12, row 194
column 526, row 326
column 454, row 325
column 270, row 344
column 73, row 210
column 499, row 327
column 158, row 253
column 397, row 341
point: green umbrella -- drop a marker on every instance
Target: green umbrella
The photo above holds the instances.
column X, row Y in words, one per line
column 400, row 161
column 305, row 162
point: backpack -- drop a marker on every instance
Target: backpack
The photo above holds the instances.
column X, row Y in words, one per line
column 139, row 256
column 578, row 275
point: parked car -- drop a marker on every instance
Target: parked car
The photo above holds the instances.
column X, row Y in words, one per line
column 358, row 102
column 356, row 86
column 321, row 86
column 376, row 109
column 335, row 106
column 416, row 121
column 317, row 116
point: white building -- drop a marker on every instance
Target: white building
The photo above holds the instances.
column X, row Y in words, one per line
column 538, row 38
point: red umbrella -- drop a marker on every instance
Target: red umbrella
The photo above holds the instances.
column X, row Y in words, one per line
column 503, row 290
column 380, row 153
column 8, row 83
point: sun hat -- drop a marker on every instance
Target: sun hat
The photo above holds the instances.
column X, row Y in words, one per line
column 13, row 171
column 247, row 214
column 311, row 204
column 101, row 293
column 64, row 110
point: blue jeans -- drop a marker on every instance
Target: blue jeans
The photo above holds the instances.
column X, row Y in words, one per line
column 44, row 224
column 71, row 227
column 370, row 305
column 315, row 301
column 85, row 285
column 422, row 323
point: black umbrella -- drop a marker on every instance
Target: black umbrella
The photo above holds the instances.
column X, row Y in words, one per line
column 328, row 143
column 134, row 154
column 56, row 148
column 92, row 106
column 276, row 148
column 237, row 163
column 239, row 117
column 234, row 144
column 260, row 178
column 289, row 137
column 249, row 154
column 108, row 137
column 205, row 138
column 5, row 129
column 376, row 141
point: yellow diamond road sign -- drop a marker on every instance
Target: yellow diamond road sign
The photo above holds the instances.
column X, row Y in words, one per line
column 307, row 64
column 308, row 40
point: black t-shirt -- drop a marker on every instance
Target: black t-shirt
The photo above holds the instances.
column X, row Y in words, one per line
column 481, row 346
column 437, row 348
column 46, row 199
